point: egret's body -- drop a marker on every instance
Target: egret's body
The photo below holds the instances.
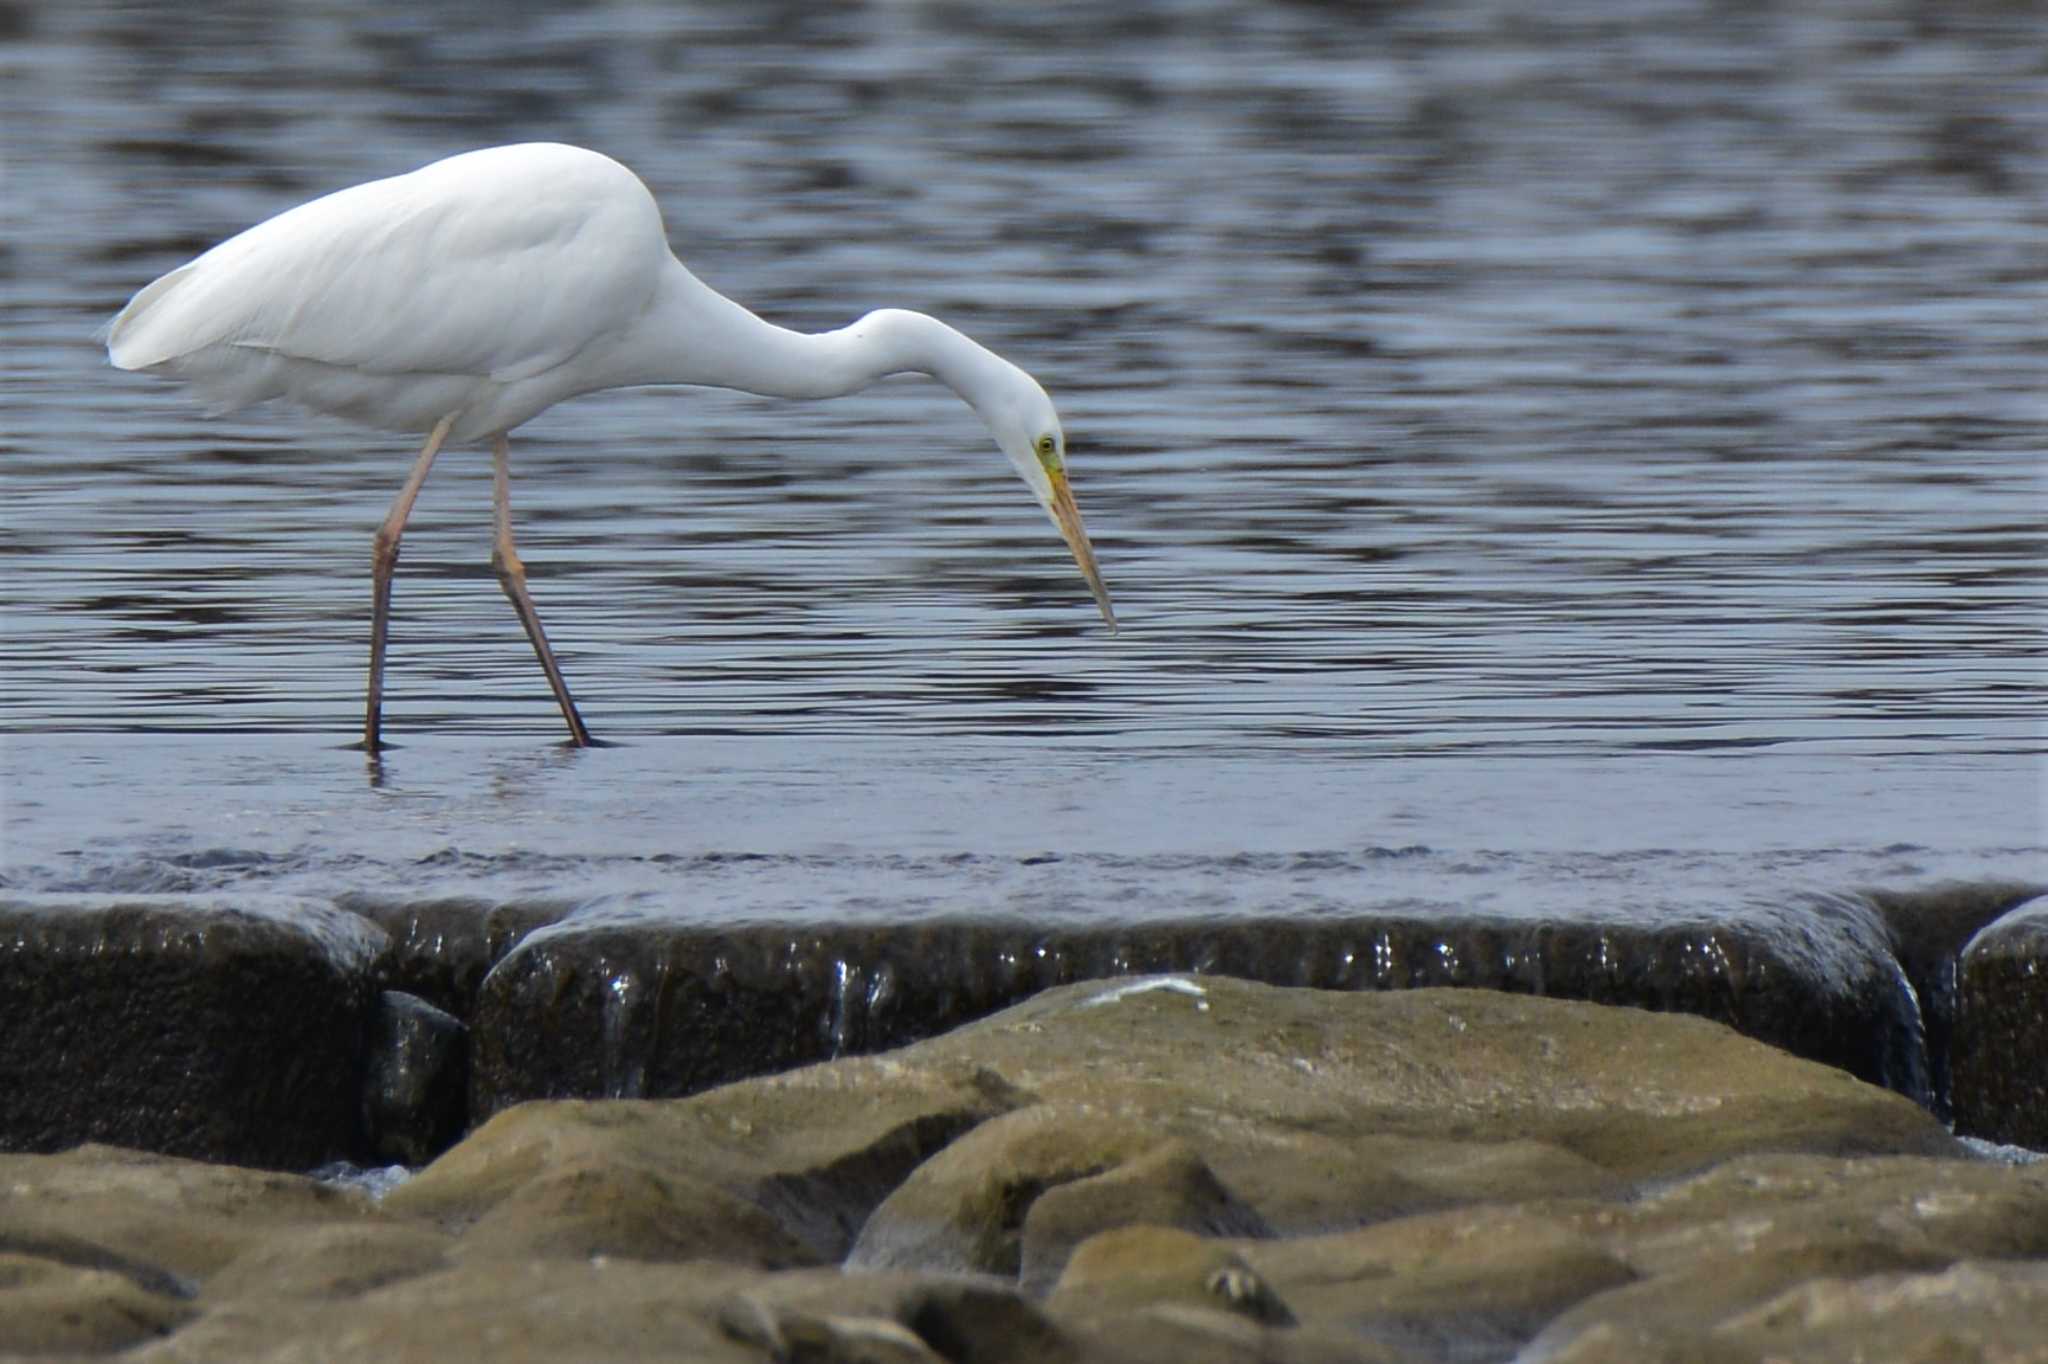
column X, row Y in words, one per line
column 462, row 299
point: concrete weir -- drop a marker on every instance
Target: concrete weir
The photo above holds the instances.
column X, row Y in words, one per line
column 243, row 1028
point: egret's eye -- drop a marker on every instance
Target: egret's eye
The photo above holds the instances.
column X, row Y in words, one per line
column 1048, row 452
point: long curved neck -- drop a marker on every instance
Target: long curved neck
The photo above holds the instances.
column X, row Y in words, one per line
column 692, row 334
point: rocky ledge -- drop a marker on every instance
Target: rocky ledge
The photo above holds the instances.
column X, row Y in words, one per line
column 1176, row 1168
column 288, row 1032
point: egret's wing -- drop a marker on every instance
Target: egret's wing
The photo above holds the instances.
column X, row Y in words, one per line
column 495, row 265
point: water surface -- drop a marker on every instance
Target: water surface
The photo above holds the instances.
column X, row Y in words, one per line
column 1539, row 458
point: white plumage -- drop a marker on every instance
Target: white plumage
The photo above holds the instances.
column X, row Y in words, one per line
column 462, row 299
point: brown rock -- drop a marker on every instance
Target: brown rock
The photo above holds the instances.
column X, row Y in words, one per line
column 1181, row 1334
column 1718, row 1246
column 595, row 1207
column 1139, row 1266
column 50, row 1307
column 337, row 1261
column 784, row 1332
column 814, row 1151
column 971, row 1206
column 159, row 1215
column 1885, row 1212
column 1168, row 1186
column 1987, row 1311
column 538, row 1311
column 1486, row 1277
column 1287, row 1093
column 958, row 1317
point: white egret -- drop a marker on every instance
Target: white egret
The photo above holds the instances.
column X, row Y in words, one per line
column 465, row 297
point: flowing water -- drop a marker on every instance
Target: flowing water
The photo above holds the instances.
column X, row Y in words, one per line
column 1542, row 459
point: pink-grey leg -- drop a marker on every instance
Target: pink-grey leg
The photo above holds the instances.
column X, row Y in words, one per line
column 383, row 560
column 512, row 577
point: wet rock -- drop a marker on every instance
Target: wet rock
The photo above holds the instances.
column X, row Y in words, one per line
column 441, row 949
column 1928, row 928
column 228, row 1028
column 416, row 1079
column 628, row 1004
column 2001, row 1031
column 621, row 1006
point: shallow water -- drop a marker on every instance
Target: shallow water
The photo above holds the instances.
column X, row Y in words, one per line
column 1539, row 460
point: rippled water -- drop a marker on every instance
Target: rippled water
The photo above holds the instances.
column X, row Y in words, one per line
column 1609, row 447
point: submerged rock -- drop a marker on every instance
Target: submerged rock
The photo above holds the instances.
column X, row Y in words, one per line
column 229, row 1027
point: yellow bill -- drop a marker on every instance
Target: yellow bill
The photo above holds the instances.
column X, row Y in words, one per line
column 1067, row 517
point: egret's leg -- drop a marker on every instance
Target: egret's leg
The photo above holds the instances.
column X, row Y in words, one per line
column 512, row 577
column 383, row 559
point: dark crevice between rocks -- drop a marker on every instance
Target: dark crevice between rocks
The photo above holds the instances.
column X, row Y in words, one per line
column 826, row 1207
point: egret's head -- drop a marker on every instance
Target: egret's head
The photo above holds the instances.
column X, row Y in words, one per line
column 1027, row 428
